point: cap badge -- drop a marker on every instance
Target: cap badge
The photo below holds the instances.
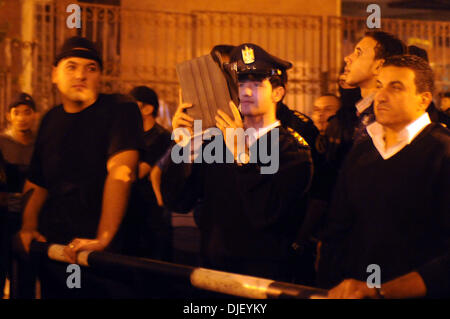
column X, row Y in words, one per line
column 248, row 55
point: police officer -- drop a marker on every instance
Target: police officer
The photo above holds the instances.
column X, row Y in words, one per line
column 249, row 219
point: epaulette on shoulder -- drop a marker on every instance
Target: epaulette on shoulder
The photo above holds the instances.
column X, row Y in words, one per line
column 298, row 137
column 302, row 116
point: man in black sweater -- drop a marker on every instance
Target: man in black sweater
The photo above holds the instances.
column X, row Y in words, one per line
column 391, row 206
column 348, row 126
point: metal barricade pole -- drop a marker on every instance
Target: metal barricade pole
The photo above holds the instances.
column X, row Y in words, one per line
column 201, row 278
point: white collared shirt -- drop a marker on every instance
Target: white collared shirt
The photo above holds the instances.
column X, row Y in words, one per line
column 406, row 135
column 364, row 103
column 254, row 135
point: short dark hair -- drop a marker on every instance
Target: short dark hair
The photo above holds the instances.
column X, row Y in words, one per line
column 275, row 80
column 423, row 74
column 446, row 94
column 422, row 53
column 146, row 95
column 387, row 44
column 278, row 80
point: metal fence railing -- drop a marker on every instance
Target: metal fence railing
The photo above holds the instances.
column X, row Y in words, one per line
column 218, row 282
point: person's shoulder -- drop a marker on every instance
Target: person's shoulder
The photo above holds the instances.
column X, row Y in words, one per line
column 165, row 134
column 301, row 116
column 52, row 113
column 118, row 104
column 5, row 139
column 4, row 136
column 293, row 148
column 161, row 129
column 441, row 135
column 116, row 100
column 292, row 141
column 293, row 136
column 297, row 115
column 362, row 150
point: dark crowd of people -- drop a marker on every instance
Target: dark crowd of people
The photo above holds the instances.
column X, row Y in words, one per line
column 364, row 181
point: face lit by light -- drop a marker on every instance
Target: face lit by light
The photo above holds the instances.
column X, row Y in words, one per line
column 397, row 103
column 445, row 104
column 324, row 108
column 77, row 79
column 256, row 97
column 145, row 108
column 22, row 117
column 361, row 65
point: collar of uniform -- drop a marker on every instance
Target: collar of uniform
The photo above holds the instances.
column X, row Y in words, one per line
column 363, row 104
column 406, row 135
column 254, row 135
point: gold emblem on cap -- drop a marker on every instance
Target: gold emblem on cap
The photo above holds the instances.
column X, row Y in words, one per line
column 248, row 55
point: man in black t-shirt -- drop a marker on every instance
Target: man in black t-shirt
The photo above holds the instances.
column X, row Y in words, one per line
column 83, row 165
column 149, row 231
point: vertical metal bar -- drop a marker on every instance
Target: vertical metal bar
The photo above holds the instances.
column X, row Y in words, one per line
column 116, row 36
column 54, row 44
column 44, row 45
column 94, row 23
column 105, row 40
column 446, row 46
column 84, row 21
column 321, row 67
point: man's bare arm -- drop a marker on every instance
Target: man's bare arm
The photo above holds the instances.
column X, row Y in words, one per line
column 155, row 179
column 121, row 174
column 29, row 229
column 144, row 169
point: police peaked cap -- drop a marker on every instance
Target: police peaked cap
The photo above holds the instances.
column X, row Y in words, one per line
column 252, row 59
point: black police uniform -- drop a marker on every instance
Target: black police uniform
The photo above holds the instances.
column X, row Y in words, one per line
column 249, row 219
